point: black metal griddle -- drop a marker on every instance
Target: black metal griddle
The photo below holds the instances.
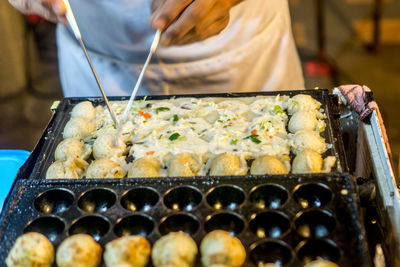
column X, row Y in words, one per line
column 297, row 217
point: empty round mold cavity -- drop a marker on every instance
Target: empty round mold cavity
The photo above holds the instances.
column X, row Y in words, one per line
column 312, row 195
column 54, row 201
column 94, row 225
column 227, row 221
column 314, row 249
column 139, row 199
column 97, row 200
column 179, row 222
column 272, row 224
column 314, row 223
column 182, row 198
column 137, row 224
column 52, row 227
column 270, row 251
column 227, row 197
column 268, row 196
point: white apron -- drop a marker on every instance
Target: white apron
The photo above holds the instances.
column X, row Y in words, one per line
column 256, row 52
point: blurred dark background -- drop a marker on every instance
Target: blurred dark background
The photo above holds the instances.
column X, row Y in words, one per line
column 339, row 42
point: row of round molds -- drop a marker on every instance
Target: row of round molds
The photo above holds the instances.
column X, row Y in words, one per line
column 184, row 198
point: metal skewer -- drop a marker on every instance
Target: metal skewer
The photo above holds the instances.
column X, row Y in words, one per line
column 71, row 19
column 153, row 48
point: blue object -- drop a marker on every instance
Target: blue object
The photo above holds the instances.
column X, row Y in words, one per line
column 10, row 162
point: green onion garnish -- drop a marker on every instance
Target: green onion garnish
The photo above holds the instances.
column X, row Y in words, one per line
column 174, row 136
column 161, row 109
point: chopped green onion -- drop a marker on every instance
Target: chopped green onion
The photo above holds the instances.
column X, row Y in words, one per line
column 160, row 136
column 174, row 136
column 278, row 109
column 234, row 141
column 253, row 138
column 192, row 122
column 139, row 143
column 262, row 125
column 176, row 118
column 161, row 109
column 203, row 131
column 226, row 126
column 220, row 120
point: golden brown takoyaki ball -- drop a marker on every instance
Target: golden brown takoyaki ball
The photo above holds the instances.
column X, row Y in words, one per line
column 72, row 168
column 108, row 145
column 79, row 250
column 176, row 249
column 85, row 110
column 219, row 248
column 302, row 102
column 104, row 168
column 303, row 120
column 307, row 161
column 228, row 164
column 183, row 164
column 127, row 251
column 31, row 250
column 321, row 263
column 71, row 147
column 268, row 165
column 145, row 167
column 308, row 139
column 78, row 128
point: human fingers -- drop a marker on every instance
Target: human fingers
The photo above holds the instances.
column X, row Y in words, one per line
column 167, row 12
column 192, row 15
column 156, row 4
column 56, row 10
column 196, row 35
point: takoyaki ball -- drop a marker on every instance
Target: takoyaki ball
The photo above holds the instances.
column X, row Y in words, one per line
column 219, row 248
column 85, row 110
column 176, row 249
column 268, row 165
column 321, row 263
column 105, row 168
column 303, row 120
column 79, row 250
column 329, row 162
column 72, row 147
column 108, row 145
column 71, row 168
column 308, row 139
column 78, row 128
column 145, row 167
column 302, row 102
column 183, row 165
column 127, row 251
column 307, row 161
column 228, row 164
column 31, row 250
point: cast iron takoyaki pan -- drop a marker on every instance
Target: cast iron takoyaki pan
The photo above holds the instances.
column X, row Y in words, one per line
column 288, row 220
column 43, row 155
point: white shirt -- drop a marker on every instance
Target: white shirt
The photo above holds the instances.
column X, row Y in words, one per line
column 255, row 52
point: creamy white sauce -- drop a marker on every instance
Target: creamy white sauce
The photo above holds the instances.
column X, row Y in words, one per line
column 248, row 126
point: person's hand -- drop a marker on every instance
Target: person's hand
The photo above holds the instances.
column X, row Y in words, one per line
column 52, row 10
column 188, row 21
